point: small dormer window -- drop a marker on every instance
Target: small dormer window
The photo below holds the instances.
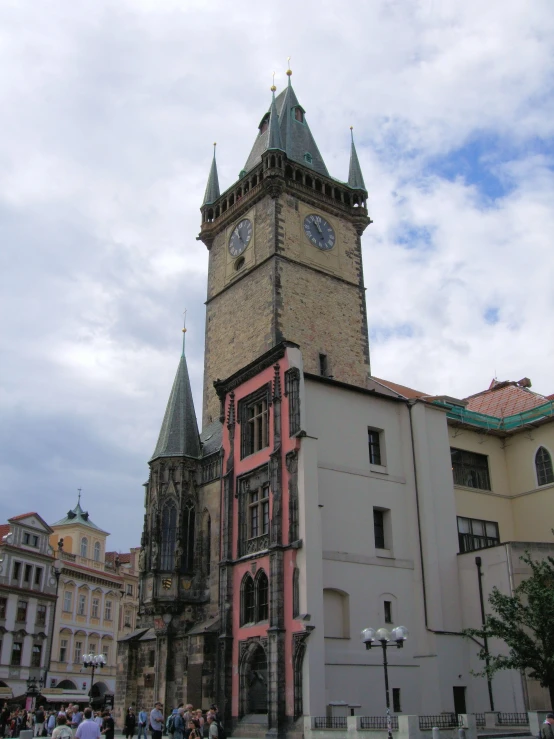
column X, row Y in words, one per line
column 264, row 125
column 308, row 157
column 299, row 114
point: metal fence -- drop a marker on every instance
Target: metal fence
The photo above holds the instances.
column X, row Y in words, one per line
column 441, row 721
column 378, row 722
column 330, row 722
column 512, row 719
column 480, row 719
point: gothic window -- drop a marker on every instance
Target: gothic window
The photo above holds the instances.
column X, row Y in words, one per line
column 543, row 464
column 254, row 419
column 248, row 610
column 187, row 561
column 292, row 391
column 97, row 551
column 262, row 597
column 84, row 546
column 169, row 530
column 258, row 512
column 254, row 512
column 296, row 593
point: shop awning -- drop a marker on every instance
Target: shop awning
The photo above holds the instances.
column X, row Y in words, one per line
column 61, row 696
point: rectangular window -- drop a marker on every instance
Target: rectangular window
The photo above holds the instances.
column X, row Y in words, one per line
column 476, row 534
column 129, row 589
column 253, row 415
column 63, row 650
column 470, row 469
column 77, row 652
column 106, row 653
column 374, row 443
column 379, row 528
column 388, row 612
column 38, row 576
column 82, row 605
column 258, row 515
column 95, row 607
column 92, row 648
column 292, row 391
column 396, row 707
column 22, row 611
column 323, row 365
column 27, row 574
column 108, row 611
column 17, row 648
column 67, row 601
column 151, row 658
column 41, row 615
column 26, row 538
column 16, row 570
column 36, row 655
column 3, row 606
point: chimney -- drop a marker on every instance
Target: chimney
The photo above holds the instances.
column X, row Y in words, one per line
column 524, row 382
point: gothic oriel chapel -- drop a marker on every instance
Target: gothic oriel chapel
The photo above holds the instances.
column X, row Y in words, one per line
column 317, row 500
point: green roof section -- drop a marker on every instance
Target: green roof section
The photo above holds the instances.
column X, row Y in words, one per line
column 539, row 414
column 212, row 188
column 78, row 516
column 274, row 138
column 179, row 433
column 355, row 177
column 296, row 137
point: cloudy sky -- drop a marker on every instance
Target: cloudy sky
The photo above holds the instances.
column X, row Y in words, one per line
column 109, row 111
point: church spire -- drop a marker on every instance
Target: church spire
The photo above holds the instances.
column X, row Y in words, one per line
column 355, row 177
column 179, row 433
column 274, row 139
column 212, row 188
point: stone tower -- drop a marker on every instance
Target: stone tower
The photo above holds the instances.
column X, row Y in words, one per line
column 285, row 257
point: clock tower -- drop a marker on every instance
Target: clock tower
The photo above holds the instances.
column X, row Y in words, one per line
column 285, row 257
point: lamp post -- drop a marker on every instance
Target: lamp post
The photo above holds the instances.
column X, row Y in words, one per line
column 56, row 571
column 385, row 638
column 34, row 687
column 96, row 661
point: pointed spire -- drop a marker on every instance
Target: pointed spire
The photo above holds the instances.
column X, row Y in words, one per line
column 274, row 140
column 179, row 433
column 212, row 188
column 355, row 177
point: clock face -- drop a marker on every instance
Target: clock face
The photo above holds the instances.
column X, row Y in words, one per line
column 240, row 238
column 320, row 233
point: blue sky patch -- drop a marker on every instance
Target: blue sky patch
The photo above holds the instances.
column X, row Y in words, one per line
column 491, row 315
column 382, row 333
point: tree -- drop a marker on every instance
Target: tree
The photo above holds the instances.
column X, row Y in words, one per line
column 525, row 622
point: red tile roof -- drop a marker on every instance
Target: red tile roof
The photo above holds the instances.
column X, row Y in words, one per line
column 4, row 529
column 505, row 399
column 403, row 390
column 123, row 558
column 23, row 515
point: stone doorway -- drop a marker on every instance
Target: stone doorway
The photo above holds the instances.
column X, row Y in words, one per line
column 253, row 694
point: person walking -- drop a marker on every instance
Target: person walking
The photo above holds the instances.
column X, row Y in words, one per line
column 157, row 721
column 142, row 724
column 40, row 718
column 108, row 725
column 51, row 725
column 213, row 733
column 130, row 724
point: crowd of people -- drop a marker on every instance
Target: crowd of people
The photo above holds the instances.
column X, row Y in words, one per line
column 184, row 722
column 63, row 723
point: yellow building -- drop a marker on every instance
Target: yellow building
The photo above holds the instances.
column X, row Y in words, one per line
column 92, row 589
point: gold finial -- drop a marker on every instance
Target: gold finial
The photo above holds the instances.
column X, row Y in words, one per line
column 289, row 70
column 351, row 128
column 184, row 329
column 273, row 88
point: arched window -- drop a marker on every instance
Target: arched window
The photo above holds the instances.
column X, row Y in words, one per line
column 248, row 610
column 262, row 593
column 296, row 593
column 543, row 464
column 169, row 530
column 97, row 551
column 298, row 114
column 84, row 546
column 187, row 561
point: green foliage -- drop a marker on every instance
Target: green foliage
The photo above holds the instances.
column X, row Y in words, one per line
column 525, row 622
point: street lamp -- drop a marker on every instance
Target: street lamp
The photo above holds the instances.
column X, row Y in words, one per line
column 96, row 661
column 385, row 638
column 34, row 688
column 56, row 570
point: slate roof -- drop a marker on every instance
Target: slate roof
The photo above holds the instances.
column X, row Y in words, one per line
column 75, row 516
column 212, row 188
column 355, row 177
column 211, row 438
column 505, row 399
column 179, row 433
column 296, row 137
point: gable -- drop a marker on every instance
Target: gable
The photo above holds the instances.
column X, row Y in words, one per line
column 33, row 521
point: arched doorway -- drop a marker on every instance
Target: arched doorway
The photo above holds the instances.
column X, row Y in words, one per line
column 253, row 697
column 66, row 685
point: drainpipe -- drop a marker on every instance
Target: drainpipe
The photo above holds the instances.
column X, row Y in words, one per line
column 483, row 620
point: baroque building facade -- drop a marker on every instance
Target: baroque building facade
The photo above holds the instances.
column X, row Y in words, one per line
column 319, row 500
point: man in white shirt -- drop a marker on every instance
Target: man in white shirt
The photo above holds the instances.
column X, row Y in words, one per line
column 88, row 729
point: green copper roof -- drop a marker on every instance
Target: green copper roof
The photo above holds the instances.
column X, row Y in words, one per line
column 355, row 177
column 296, row 137
column 212, row 188
column 179, row 433
column 274, row 139
column 75, row 516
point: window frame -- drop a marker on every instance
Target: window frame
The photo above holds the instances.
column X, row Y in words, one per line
column 462, row 468
column 254, row 598
column 544, row 469
column 396, row 700
column 108, row 611
column 97, row 551
column 19, row 652
column 250, row 430
column 28, row 573
column 379, row 535
column 292, row 392
column 77, row 652
column 38, row 577
column 83, row 547
column 36, row 650
column 82, row 604
column 22, row 611
column 387, row 608
column 169, row 536
column 16, row 571
column 375, row 446
column 255, row 480
column 42, row 611
column 67, row 600
column 95, row 608
column 64, row 643
column 467, row 537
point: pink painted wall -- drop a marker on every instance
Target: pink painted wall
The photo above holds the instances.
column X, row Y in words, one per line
column 242, row 466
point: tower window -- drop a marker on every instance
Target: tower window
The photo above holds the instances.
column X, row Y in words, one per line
column 254, row 418
column 308, row 157
column 169, row 531
column 323, row 365
column 299, row 114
